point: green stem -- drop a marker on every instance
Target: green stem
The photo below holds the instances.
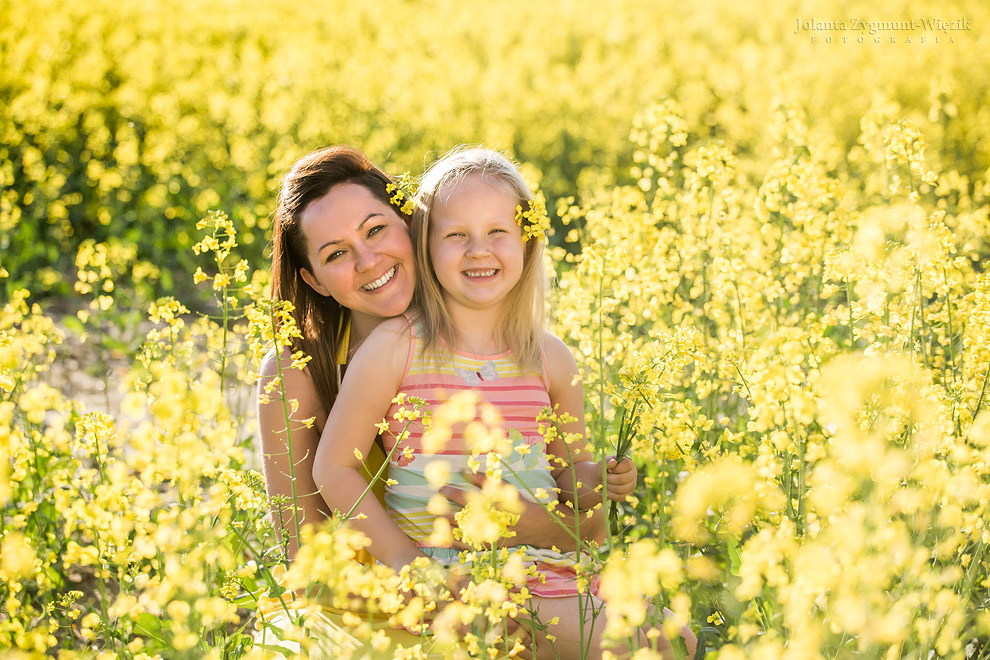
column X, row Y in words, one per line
column 288, row 434
column 948, row 305
column 265, row 573
column 952, row 353
column 921, row 315
column 223, row 344
column 601, row 384
column 749, row 393
column 852, row 327
column 742, row 326
column 102, row 586
column 802, row 507
column 371, row 483
column 983, row 389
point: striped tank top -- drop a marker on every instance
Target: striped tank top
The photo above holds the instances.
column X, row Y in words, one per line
column 434, row 375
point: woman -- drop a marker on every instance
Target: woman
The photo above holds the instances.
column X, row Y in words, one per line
column 343, row 257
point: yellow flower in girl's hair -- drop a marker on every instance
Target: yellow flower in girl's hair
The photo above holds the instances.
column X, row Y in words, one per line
column 533, row 218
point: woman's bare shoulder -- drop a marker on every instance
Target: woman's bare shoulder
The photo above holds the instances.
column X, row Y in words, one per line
column 297, row 383
column 274, row 362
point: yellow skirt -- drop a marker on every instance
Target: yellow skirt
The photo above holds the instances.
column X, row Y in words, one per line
column 325, row 631
column 328, row 638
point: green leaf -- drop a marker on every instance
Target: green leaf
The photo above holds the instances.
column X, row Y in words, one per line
column 705, row 634
column 735, row 557
column 74, row 325
column 148, row 624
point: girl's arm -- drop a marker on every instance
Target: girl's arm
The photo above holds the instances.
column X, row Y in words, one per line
column 573, row 467
column 280, row 471
column 372, row 380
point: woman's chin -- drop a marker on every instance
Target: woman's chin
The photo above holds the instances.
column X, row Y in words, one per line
column 383, row 309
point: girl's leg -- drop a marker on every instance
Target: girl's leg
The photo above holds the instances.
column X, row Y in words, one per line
column 568, row 634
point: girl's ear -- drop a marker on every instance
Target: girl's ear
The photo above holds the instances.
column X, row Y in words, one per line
column 313, row 283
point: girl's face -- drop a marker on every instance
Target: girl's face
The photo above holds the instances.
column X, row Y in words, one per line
column 475, row 244
column 359, row 251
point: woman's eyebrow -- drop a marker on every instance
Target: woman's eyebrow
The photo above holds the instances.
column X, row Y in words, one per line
column 340, row 240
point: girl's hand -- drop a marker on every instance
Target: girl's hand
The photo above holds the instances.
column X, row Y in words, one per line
column 620, row 478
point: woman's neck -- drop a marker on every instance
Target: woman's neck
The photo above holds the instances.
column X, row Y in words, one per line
column 361, row 327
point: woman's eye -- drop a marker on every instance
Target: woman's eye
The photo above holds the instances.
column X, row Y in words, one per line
column 375, row 230
column 334, row 255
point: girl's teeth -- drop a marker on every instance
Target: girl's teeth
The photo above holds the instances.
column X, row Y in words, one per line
column 381, row 281
column 480, row 273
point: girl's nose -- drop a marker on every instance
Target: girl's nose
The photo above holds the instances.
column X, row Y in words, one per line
column 477, row 248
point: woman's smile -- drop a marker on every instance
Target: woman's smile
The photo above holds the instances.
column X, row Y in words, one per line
column 381, row 281
column 360, row 252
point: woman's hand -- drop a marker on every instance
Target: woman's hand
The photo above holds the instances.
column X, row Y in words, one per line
column 536, row 526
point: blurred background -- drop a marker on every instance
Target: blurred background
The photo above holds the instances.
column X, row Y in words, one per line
column 127, row 122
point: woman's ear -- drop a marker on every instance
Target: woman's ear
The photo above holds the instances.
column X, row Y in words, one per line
column 309, row 279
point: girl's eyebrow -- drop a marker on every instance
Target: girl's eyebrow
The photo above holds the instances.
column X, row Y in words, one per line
column 340, row 240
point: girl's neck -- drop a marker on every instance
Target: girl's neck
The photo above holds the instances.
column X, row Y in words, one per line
column 474, row 332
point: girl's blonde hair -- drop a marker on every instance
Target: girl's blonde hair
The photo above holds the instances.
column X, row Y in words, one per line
column 522, row 320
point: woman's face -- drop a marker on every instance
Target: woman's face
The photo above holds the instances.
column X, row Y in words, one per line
column 359, row 252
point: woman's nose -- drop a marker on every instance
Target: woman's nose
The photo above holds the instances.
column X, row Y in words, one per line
column 366, row 258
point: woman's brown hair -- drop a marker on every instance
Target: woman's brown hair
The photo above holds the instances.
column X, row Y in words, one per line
column 321, row 319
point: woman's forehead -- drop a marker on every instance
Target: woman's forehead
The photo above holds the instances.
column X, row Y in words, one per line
column 343, row 209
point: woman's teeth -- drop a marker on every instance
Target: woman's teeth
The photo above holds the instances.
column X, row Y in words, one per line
column 480, row 273
column 381, row 281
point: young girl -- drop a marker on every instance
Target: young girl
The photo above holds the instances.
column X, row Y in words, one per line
column 478, row 324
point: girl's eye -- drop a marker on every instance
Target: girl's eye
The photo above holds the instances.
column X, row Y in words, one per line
column 333, row 255
column 497, row 231
column 455, row 234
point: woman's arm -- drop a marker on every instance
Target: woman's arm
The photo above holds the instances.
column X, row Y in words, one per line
column 536, row 525
column 371, row 382
column 288, row 480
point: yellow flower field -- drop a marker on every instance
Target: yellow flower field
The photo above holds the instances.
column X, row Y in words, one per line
column 770, row 234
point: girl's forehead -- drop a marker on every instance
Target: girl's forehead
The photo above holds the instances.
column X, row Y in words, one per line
column 472, row 187
column 476, row 209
